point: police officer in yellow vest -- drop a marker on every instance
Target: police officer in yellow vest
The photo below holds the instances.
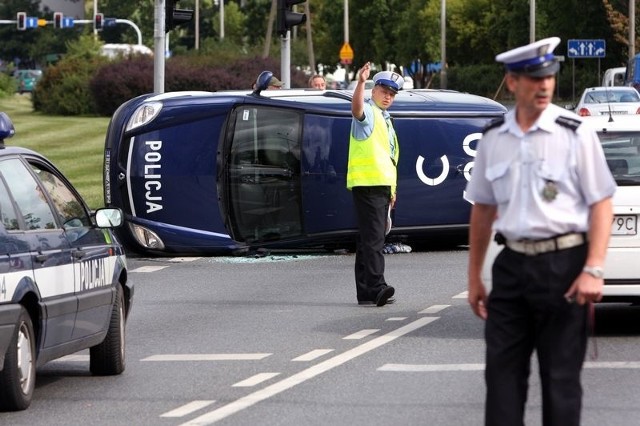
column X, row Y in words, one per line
column 372, row 177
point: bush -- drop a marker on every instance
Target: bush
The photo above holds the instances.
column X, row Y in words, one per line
column 8, row 85
column 482, row 80
column 64, row 87
column 117, row 82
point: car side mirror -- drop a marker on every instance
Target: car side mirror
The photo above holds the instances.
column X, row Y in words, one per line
column 108, row 218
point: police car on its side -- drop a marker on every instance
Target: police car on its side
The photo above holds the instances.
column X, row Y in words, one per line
column 620, row 139
column 63, row 275
column 201, row 172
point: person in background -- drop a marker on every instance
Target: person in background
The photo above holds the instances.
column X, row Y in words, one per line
column 317, row 82
column 372, row 178
column 541, row 181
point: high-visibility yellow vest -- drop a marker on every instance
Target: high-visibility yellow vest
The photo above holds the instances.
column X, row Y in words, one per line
column 370, row 162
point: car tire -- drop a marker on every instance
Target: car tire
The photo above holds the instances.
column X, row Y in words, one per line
column 107, row 358
column 18, row 377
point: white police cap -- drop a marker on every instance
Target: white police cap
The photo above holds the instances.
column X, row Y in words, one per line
column 389, row 79
column 535, row 59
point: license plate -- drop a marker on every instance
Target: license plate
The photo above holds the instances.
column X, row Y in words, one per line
column 624, row 225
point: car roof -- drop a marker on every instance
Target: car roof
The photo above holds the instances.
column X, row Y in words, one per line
column 409, row 102
column 609, row 89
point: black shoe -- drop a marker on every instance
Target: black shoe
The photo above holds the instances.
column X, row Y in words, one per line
column 384, row 296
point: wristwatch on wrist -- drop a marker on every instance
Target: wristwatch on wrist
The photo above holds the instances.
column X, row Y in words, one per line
column 594, row 271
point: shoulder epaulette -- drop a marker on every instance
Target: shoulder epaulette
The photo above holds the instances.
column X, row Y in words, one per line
column 494, row 123
column 569, row 122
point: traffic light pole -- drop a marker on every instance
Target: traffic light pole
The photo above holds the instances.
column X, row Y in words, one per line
column 158, row 46
column 285, row 60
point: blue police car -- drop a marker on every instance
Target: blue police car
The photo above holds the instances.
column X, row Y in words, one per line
column 63, row 275
column 215, row 173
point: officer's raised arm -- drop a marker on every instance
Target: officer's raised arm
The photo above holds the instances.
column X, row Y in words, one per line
column 357, row 104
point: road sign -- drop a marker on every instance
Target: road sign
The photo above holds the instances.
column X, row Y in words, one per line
column 31, row 22
column 67, row 22
column 346, row 54
column 586, row 48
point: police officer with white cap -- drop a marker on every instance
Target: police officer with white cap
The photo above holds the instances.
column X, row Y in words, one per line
column 372, row 179
column 541, row 182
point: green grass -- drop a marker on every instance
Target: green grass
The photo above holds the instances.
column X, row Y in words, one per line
column 74, row 144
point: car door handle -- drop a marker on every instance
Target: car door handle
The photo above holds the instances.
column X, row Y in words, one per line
column 41, row 257
column 79, row 254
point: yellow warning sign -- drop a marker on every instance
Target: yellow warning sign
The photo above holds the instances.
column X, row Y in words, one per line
column 346, row 54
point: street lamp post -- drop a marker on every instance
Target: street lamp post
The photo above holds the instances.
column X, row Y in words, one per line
column 443, row 44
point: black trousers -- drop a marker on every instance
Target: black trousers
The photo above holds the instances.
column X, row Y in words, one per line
column 526, row 311
column 371, row 204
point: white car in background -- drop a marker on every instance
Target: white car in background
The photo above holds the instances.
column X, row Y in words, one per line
column 620, row 140
column 608, row 101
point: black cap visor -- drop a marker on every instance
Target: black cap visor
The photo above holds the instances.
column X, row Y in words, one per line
column 544, row 69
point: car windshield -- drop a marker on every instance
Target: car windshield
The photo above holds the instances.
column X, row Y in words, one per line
column 622, row 151
column 604, row 96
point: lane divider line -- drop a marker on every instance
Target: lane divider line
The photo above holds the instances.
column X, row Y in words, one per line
column 186, row 409
column 434, row 309
column 310, row 356
column 206, row 357
column 361, row 334
column 307, row 374
column 255, row 380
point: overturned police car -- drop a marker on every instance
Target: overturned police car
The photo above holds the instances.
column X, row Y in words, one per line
column 218, row 173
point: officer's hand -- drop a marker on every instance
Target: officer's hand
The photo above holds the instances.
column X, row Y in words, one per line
column 364, row 72
column 477, row 296
column 585, row 289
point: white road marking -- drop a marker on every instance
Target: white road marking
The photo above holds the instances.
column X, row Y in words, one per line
column 396, row 319
column 206, row 357
column 463, row 295
column 361, row 334
column 149, row 268
column 183, row 259
column 613, row 365
column 418, row 368
column 433, row 309
column 255, row 380
column 307, row 374
column 310, row 356
column 189, row 408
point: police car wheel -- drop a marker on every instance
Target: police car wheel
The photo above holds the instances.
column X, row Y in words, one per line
column 107, row 358
column 18, row 377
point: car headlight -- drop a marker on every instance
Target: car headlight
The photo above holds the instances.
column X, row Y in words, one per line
column 145, row 237
column 144, row 115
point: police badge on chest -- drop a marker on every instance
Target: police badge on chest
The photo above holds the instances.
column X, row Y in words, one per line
column 549, row 191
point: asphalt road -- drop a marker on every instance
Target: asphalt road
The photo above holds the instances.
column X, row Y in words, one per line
column 280, row 340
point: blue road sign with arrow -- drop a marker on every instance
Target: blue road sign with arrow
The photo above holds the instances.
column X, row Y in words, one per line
column 586, row 48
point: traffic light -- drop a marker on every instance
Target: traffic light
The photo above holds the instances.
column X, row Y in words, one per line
column 21, row 20
column 57, row 19
column 98, row 21
column 287, row 18
column 174, row 17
